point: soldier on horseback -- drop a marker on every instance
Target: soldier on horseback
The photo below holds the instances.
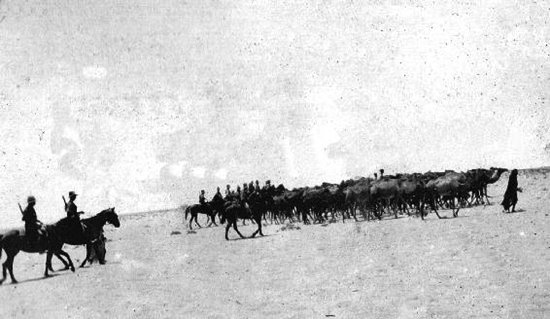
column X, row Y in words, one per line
column 238, row 196
column 202, row 200
column 251, row 187
column 218, row 195
column 227, row 192
column 72, row 213
column 31, row 222
column 245, row 192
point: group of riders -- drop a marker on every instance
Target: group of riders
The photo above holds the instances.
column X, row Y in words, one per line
column 33, row 225
column 239, row 196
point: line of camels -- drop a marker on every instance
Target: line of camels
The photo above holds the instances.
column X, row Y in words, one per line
column 371, row 197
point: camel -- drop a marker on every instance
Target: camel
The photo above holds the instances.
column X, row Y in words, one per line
column 384, row 191
column 357, row 196
column 449, row 187
column 412, row 190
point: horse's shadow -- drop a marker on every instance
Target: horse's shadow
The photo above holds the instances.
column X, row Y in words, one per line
column 39, row 278
column 521, row 210
column 245, row 238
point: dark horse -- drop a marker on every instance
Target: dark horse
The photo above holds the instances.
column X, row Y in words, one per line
column 234, row 211
column 93, row 234
column 51, row 239
column 197, row 209
column 14, row 241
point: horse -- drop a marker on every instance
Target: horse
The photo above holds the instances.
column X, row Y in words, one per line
column 15, row 240
column 233, row 211
column 91, row 234
column 196, row 209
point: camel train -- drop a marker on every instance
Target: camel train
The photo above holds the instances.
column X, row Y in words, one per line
column 372, row 198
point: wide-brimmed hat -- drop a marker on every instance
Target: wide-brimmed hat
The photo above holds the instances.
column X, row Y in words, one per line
column 31, row 199
column 71, row 193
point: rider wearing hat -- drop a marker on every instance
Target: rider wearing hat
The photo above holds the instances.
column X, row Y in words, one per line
column 71, row 207
column 202, row 198
column 218, row 195
column 72, row 212
column 29, row 217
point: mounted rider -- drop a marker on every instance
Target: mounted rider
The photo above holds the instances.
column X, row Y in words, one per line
column 245, row 192
column 251, row 187
column 238, row 194
column 31, row 221
column 228, row 192
column 218, row 195
column 72, row 212
column 202, row 200
column 268, row 189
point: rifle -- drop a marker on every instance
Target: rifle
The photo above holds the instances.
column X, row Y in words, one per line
column 64, row 201
column 20, row 208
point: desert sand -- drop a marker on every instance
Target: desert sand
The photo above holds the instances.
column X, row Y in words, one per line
column 483, row 264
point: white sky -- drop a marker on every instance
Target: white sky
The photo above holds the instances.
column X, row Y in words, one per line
column 140, row 104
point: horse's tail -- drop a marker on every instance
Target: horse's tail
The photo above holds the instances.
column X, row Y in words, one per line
column 1, row 237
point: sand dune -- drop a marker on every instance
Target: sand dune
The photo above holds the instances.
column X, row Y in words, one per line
column 482, row 264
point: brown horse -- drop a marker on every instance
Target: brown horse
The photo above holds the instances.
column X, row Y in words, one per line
column 233, row 211
column 15, row 240
column 197, row 209
column 51, row 239
column 91, row 234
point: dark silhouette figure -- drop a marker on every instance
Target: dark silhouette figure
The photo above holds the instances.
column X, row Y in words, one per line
column 73, row 214
column 31, row 221
column 52, row 240
column 71, row 208
column 511, row 194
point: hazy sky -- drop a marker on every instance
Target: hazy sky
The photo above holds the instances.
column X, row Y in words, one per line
column 140, row 104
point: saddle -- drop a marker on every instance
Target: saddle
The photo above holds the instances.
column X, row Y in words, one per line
column 40, row 239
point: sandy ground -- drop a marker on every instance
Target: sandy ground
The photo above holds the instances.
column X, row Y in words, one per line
column 484, row 264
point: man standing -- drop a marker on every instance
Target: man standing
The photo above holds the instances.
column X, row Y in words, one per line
column 29, row 217
column 511, row 194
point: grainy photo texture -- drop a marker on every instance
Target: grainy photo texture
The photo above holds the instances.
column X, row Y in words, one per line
column 274, row 159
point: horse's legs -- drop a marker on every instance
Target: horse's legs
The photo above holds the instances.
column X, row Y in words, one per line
column 88, row 249
column 227, row 229
column 65, row 263
column 197, row 221
column 259, row 230
column 48, row 263
column 4, row 274
column 213, row 220
column 236, row 229
column 260, row 226
column 191, row 222
column 8, row 266
column 63, row 253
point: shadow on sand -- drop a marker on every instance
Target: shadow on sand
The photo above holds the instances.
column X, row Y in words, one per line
column 61, row 272
column 246, row 238
column 521, row 210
